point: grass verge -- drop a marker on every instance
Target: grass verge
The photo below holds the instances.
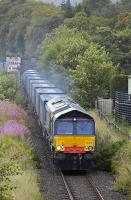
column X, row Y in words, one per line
column 18, row 175
column 27, row 185
column 114, row 154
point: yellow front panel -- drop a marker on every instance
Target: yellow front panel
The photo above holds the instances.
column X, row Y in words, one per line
column 78, row 141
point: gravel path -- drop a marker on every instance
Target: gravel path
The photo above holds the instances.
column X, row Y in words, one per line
column 104, row 182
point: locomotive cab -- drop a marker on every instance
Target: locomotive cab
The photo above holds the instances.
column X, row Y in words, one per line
column 73, row 139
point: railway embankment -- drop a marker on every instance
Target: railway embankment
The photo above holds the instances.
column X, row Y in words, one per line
column 18, row 162
column 113, row 155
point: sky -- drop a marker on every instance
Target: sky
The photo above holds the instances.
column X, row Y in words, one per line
column 60, row 1
column 57, row 2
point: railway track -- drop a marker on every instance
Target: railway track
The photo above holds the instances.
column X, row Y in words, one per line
column 80, row 187
column 52, row 182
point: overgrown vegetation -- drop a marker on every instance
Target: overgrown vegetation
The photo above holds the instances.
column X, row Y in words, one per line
column 18, row 176
column 17, row 160
column 10, row 89
column 91, row 44
column 114, row 154
column 87, row 40
column 64, row 36
column 24, row 24
column 122, row 167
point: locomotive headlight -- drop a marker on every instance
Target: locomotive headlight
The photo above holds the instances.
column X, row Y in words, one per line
column 58, row 148
column 90, row 148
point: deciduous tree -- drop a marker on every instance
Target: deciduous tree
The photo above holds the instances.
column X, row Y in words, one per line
column 92, row 76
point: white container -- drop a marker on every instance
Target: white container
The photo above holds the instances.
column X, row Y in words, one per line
column 45, row 91
column 35, row 87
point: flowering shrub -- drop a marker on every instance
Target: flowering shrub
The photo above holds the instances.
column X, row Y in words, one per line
column 13, row 119
column 16, row 154
column 14, row 128
column 10, row 111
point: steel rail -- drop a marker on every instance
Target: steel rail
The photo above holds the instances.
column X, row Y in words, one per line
column 67, row 187
column 95, row 189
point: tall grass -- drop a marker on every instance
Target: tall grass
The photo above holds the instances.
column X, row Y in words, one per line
column 108, row 142
column 103, row 130
column 114, row 154
column 18, row 175
column 27, row 186
column 122, row 167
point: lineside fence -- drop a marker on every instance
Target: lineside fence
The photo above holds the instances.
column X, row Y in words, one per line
column 105, row 107
column 123, row 107
column 112, row 125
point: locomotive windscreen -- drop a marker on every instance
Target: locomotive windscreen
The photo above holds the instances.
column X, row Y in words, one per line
column 64, row 127
column 85, row 127
column 74, row 127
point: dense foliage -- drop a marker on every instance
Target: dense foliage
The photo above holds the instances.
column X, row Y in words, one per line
column 23, row 25
column 10, row 90
column 90, row 43
column 101, row 24
column 64, row 47
column 93, row 27
column 93, row 75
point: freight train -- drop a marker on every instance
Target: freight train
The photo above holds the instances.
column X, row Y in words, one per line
column 69, row 129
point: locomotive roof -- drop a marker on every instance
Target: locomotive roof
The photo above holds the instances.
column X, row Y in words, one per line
column 62, row 105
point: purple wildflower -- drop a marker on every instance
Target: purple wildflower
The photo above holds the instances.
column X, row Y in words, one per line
column 11, row 111
column 12, row 127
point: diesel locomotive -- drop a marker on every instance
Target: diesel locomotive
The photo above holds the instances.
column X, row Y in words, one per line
column 69, row 129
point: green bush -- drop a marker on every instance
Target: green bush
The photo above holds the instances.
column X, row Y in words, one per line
column 14, row 156
column 20, row 99
column 8, row 86
column 106, row 149
column 122, row 168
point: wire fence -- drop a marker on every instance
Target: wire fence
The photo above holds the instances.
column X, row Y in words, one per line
column 111, row 124
column 123, row 107
column 104, row 107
